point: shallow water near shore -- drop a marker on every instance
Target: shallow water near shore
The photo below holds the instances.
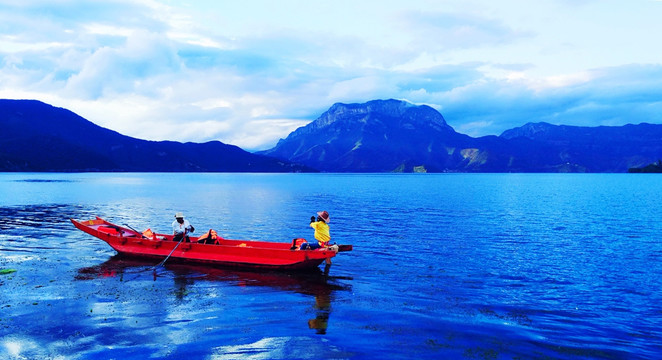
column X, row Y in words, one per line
column 465, row 266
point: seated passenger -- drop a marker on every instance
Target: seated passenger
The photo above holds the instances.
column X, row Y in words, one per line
column 210, row 237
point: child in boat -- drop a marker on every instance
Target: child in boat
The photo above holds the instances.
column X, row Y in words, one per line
column 321, row 231
column 181, row 228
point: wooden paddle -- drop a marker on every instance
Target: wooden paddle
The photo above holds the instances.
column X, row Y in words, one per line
column 173, row 250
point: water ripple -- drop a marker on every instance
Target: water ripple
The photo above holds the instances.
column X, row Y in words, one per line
column 444, row 266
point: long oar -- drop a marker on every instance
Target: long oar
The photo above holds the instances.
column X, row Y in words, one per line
column 159, row 264
column 173, row 250
column 137, row 232
column 162, row 262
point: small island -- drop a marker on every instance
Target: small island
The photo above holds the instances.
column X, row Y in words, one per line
column 652, row 168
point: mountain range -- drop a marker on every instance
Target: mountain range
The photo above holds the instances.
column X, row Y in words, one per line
column 377, row 136
column 397, row 136
column 39, row 137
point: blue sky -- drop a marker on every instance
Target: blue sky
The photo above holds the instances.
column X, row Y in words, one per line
column 250, row 72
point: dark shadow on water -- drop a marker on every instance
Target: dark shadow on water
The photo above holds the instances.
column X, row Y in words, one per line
column 315, row 283
column 43, row 216
column 45, row 181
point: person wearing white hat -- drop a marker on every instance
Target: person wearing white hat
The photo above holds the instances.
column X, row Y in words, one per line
column 181, row 227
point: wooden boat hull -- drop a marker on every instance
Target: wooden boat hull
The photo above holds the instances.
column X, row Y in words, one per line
column 234, row 253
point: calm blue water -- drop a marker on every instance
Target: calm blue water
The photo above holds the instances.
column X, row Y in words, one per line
column 464, row 266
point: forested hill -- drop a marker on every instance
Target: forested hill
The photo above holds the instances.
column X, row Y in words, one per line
column 39, row 137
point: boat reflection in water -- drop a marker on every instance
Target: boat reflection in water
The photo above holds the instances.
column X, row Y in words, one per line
column 315, row 283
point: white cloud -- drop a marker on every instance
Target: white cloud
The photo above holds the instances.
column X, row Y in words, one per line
column 248, row 73
column 107, row 29
column 475, row 128
column 360, row 89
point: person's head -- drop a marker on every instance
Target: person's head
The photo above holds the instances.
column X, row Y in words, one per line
column 323, row 216
column 179, row 217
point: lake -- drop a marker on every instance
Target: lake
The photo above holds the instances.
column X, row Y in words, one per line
column 457, row 266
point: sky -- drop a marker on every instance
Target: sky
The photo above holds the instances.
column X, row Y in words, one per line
column 250, row 72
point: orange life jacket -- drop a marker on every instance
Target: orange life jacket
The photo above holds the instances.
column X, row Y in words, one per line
column 299, row 241
column 149, row 234
column 296, row 243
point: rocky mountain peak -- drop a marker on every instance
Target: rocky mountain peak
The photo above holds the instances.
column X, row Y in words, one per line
column 390, row 114
column 373, row 135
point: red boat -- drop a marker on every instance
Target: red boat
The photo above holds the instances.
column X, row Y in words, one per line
column 226, row 252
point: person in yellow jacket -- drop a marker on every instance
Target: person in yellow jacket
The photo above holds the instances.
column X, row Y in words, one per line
column 321, row 228
column 321, row 231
